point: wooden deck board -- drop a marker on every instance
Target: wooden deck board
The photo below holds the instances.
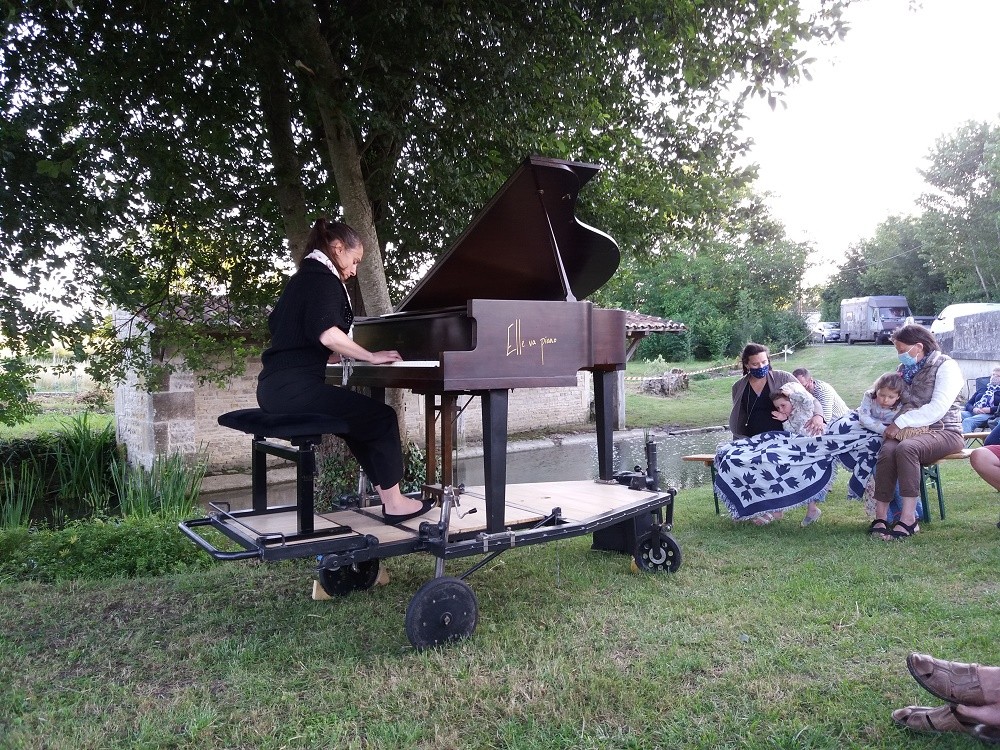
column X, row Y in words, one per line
column 525, row 504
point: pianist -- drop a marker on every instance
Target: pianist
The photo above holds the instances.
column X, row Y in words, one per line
column 311, row 319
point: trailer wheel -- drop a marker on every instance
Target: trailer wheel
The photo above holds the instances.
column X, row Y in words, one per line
column 342, row 580
column 443, row 609
column 657, row 553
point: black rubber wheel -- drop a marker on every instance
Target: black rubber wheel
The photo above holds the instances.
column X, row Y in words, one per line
column 657, row 556
column 341, row 581
column 443, row 609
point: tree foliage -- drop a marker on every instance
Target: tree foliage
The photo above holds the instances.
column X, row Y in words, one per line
column 962, row 211
column 740, row 285
column 950, row 252
column 161, row 151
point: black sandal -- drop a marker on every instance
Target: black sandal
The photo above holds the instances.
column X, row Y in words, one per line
column 878, row 526
column 902, row 530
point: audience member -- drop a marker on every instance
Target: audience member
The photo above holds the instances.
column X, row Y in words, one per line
column 983, row 405
column 935, row 382
column 972, row 692
column 833, row 405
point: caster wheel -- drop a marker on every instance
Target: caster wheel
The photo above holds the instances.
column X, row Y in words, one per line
column 657, row 556
column 443, row 609
column 341, row 581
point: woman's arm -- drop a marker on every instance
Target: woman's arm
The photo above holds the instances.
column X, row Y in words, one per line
column 947, row 385
column 337, row 341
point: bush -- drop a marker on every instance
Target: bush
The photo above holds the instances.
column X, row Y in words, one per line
column 120, row 548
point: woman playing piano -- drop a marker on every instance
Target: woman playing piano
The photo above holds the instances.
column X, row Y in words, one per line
column 311, row 319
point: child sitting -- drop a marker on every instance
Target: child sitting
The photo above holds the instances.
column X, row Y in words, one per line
column 882, row 403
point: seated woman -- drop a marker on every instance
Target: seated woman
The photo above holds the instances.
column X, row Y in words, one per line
column 934, row 383
column 311, row 319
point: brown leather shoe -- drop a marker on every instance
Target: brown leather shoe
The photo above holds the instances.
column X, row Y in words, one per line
column 937, row 720
column 953, row 681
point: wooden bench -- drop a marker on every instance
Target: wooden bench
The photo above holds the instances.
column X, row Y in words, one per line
column 932, row 473
column 972, row 437
column 709, row 460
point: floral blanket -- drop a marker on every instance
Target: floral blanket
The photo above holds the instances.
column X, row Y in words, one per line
column 777, row 471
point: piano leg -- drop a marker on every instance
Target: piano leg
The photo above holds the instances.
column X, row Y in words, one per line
column 604, row 384
column 495, row 457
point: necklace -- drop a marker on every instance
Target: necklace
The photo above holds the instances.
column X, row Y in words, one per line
column 752, row 404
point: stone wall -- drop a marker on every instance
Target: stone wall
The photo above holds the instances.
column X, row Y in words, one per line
column 976, row 343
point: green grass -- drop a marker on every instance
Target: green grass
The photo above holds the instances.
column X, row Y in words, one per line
column 771, row 637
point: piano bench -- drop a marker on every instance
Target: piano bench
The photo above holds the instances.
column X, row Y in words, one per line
column 304, row 432
column 291, row 427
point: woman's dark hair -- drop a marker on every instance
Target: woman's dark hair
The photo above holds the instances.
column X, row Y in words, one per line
column 324, row 232
column 749, row 350
column 916, row 334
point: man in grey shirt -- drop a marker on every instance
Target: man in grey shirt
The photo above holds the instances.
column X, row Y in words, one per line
column 833, row 405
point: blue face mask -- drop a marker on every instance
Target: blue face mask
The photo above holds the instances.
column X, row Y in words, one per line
column 907, row 359
column 760, row 372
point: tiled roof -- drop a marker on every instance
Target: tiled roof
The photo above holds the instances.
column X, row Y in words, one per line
column 641, row 323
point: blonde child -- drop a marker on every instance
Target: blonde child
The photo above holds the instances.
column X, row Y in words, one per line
column 880, row 405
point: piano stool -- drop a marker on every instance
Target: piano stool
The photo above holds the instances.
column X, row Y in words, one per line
column 931, row 473
column 709, row 460
column 304, row 432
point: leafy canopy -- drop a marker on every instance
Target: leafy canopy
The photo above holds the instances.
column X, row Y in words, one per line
column 159, row 155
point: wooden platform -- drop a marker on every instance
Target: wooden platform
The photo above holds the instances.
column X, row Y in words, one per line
column 526, row 504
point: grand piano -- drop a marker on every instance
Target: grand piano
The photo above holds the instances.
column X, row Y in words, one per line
column 502, row 309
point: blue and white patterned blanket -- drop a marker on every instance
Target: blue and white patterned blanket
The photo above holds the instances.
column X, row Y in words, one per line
column 777, row 471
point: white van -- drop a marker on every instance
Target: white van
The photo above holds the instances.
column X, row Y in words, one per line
column 945, row 321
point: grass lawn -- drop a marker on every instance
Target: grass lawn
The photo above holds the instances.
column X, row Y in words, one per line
column 767, row 637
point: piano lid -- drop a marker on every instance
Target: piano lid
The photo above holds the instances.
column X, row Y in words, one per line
column 526, row 243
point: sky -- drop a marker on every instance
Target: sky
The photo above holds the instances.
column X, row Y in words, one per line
column 844, row 154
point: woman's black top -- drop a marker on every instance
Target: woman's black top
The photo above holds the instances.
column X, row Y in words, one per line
column 758, row 410
column 313, row 301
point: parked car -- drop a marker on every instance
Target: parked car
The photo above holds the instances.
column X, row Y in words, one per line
column 825, row 332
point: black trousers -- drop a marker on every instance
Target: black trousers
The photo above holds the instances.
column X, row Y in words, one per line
column 373, row 432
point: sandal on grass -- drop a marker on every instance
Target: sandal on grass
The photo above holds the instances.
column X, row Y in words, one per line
column 938, row 720
column 762, row 520
column 902, row 530
column 952, row 681
column 878, row 526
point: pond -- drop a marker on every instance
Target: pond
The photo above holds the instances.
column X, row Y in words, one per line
column 576, row 458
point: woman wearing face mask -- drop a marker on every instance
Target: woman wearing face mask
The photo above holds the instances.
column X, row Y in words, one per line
column 935, row 383
column 752, row 413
